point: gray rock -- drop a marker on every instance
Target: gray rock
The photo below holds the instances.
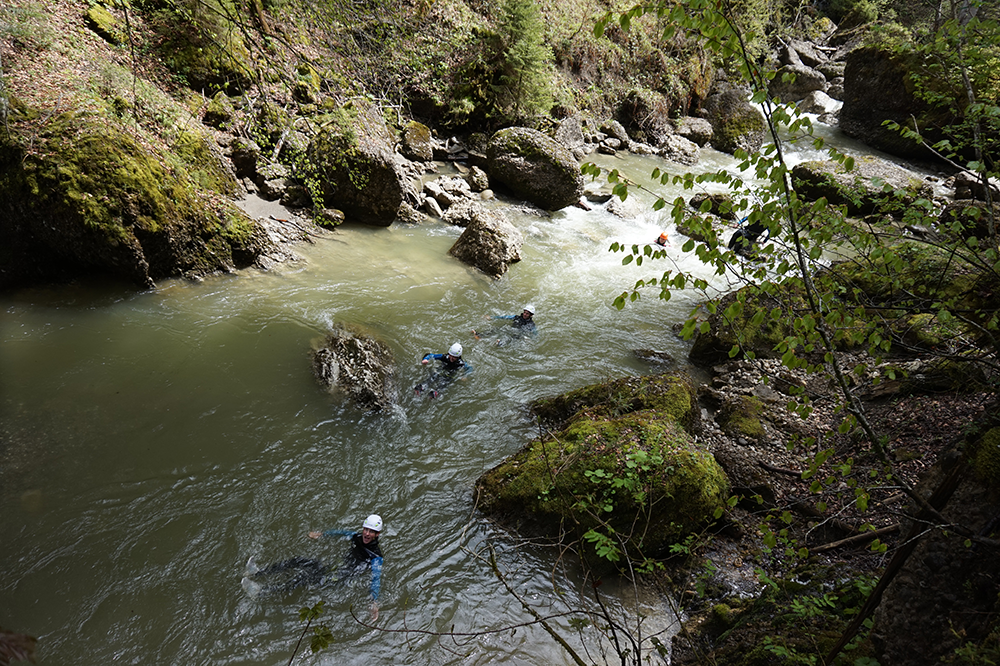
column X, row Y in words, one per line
column 818, row 102
column 489, row 242
column 355, row 364
column 358, row 170
column 694, row 129
column 569, row 133
column 803, row 81
column 678, row 149
column 535, row 167
column 736, row 124
column 477, row 179
column 615, row 129
column 415, row 142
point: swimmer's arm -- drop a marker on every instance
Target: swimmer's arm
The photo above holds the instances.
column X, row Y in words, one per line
column 376, row 577
column 315, row 534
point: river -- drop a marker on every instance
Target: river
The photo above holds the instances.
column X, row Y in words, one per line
column 153, row 441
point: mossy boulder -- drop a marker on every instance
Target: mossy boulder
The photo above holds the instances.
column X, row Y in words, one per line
column 637, row 473
column 353, row 161
column 736, row 124
column 873, row 185
column 204, row 47
column 985, row 455
column 740, row 417
column 672, row 396
column 85, row 198
column 534, row 167
column 107, row 27
column 220, row 112
column 877, row 88
column 734, row 324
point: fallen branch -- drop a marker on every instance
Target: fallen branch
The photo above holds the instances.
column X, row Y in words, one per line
column 864, row 537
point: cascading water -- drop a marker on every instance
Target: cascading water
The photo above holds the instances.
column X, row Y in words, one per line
column 152, row 441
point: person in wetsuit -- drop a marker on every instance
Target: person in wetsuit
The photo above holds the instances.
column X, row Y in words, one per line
column 524, row 322
column 365, row 553
column 745, row 238
column 452, row 367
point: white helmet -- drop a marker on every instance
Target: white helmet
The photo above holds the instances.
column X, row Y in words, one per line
column 456, row 350
column 530, row 308
column 373, row 522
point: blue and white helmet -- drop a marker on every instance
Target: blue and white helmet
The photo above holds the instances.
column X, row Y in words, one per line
column 373, row 522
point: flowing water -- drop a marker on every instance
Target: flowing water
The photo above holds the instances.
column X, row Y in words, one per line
column 153, row 441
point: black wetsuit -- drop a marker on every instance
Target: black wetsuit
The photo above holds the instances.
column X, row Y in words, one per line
column 310, row 572
column 449, row 372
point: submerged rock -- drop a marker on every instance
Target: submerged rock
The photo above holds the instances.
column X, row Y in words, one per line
column 357, row 365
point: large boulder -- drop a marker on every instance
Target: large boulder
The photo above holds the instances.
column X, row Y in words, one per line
column 354, row 364
column 736, row 124
column 490, row 242
column 645, row 114
column 103, row 203
column 534, row 167
column 862, row 188
column 627, row 430
column 353, row 158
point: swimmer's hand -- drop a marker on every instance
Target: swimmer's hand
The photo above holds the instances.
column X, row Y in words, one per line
column 374, row 610
column 315, row 534
column 424, row 362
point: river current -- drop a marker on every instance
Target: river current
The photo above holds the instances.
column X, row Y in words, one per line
column 150, row 442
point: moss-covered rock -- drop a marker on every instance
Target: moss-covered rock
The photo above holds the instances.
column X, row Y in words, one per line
column 733, row 324
column 986, row 458
column 672, row 396
column 634, row 474
column 220, row 112
column 740, row 417
column 102, row 22
column 87, row 198
column 534, row 167
column 205, row 164
column 352, row 162
column 200, row 44
column 873, row 185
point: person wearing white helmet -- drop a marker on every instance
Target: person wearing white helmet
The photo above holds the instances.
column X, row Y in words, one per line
column 453, row 367
column 525, row 321
column 365, row 553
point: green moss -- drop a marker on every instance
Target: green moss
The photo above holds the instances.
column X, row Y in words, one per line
column 203, row 165
column 219, row 113
column 200, row 44
column 635, row 470
column 986, row 457
column 105, row 25
column 671, row 396
column 741, row 417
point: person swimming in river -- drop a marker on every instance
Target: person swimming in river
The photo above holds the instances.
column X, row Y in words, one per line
column 365, row 553
column 523, row 322
column 745, row 239
column 453, row 367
